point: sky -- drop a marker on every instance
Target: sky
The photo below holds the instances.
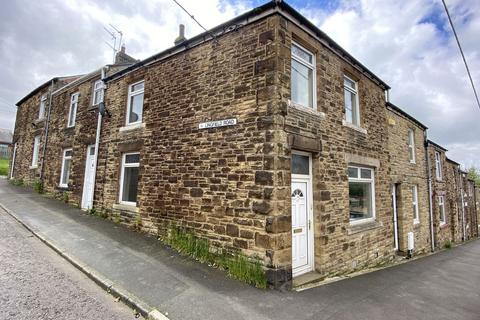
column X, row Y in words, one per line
column 408, row 44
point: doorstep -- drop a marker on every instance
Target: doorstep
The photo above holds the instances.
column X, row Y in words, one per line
column 306, row 279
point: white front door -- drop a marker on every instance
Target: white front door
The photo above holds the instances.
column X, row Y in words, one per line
column 302, row 233
column 89, row 183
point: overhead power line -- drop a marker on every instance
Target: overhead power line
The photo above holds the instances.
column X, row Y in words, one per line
column 193, row 18
column 461, row 51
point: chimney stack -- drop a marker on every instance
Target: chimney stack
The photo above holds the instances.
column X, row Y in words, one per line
column 181, row 36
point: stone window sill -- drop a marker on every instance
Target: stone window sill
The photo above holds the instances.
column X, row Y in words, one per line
column 33, row 167
column 136, row 126
column 416, row 225
column 354, row 127
column 37, row 121
column 306, row 109
column 444, row 225
column 125, row 207
column 63, row 188
column 363, row 226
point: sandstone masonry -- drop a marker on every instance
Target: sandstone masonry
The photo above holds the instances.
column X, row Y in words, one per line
column 301, row 175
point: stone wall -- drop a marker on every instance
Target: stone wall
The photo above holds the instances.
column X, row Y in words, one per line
column 443, row 233
column 27, row 126
column 405, row 175
column 453, row 186
column 219, row 183
column 339, row 246
column 78, row 137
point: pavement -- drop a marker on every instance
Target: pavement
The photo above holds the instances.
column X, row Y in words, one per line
column 36, row 283
column 445, row 285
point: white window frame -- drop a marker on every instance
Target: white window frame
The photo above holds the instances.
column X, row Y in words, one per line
column 122, row 174
column 438, row 166
column 72, row 116
column 64, row 184
column 416, row 216
column 356, row 122
column 411, row 145
column 98, row 89
column 130, row 95
column 36, row 151
column 311, row 66
column 372, row 183
column 41, row 108
column 441, row 210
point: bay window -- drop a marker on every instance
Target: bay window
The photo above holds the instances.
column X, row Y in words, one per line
column 361, row 185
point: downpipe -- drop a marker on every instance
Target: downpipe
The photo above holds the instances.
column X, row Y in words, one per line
column 430, row 198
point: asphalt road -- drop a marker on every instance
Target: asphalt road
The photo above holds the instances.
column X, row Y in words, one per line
column 36, row 283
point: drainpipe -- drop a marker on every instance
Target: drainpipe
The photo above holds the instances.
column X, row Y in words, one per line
column 464, row 236
column 44, row 151
column 476, row 208
column 13, row 160
column 97, row 140
column 430, row 199
column 395, row 218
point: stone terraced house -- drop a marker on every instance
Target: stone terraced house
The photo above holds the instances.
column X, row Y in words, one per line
column 409, row 180
column 262, row 136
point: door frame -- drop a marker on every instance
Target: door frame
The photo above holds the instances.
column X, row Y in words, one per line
column 311, row 226
column 85, row 178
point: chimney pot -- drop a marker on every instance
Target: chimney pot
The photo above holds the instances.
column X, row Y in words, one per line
column 181, row 35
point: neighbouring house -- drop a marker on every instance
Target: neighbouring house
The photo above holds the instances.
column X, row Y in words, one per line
column 261, row 135
column 6, row 139
column 453, row 198
column 469, row 204
column 408, row 174
column 70, row 168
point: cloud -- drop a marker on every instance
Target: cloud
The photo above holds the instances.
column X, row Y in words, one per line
column 408, row 44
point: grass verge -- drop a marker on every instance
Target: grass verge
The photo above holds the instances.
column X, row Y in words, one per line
column 4, row 167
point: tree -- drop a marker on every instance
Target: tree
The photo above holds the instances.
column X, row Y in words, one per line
column 474, row 174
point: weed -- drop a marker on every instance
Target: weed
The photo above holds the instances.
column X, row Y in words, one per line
column 138, row 221
column 38, row 186
column 448, row 245
column 65, row 197
column 17, row 182
column 240, row 267
column 116, row 219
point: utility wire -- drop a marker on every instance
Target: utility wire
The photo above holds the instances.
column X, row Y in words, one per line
column 191, row 16
column 461, row 51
